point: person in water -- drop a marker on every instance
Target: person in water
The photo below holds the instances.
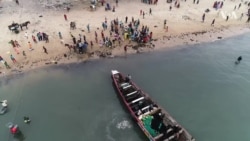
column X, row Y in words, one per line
column 128, row 78
column 4, row 103
column 26, row 120
column 14, row 129
column 238, row 60
column 16, row 132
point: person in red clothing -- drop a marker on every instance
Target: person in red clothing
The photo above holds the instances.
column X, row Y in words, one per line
column 150, row 35
column 16, row 132
column 14, row 129
column 65, row 17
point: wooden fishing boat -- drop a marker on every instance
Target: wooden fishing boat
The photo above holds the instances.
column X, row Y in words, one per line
column 154, row 121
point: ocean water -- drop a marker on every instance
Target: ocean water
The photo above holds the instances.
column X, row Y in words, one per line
column 199, row 85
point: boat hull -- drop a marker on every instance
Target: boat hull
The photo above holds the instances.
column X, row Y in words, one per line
column 153, row 120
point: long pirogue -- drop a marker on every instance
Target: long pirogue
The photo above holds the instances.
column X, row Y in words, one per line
column 155, row 122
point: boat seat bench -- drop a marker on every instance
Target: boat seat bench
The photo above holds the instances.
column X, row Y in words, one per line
column 139, row 99
column 146, row 107
column 124, row 84
column 131, row 93
column 125, row 87
column 132, row 98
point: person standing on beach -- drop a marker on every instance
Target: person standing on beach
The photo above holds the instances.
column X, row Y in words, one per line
column 65, row 17
column 26, row 35
column 17, row 2
column 6, row 65
column 227, row 18
column 24, row 54
column 126, row 19
column 96, row 39
column 143, row 14
column 239, row 6
column 84, row 38
column 102, row 34
column 203, row 17
column 116, row 1
column 45, row 50
column 34, row 39
column 235, row 7
column 74, row 39
column 13, row 59
column 150, row 11
column 125, row 49
column 30, row 46
column 170, row 7
column 248, row 19
column 150, row 35
column 165, row 22
column 12, row 43
column 16, row 43
column 91, row 44
column 80, row 37
column 88, row 28
column 241, row 16
column 212, row 24
column 60, row 35
column 194, row 2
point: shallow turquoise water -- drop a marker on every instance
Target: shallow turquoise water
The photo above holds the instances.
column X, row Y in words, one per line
column 199, row 85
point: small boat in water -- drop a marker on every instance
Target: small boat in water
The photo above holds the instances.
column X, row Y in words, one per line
column 154, row 121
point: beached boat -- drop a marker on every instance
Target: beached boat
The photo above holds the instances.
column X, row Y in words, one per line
column 154, row 121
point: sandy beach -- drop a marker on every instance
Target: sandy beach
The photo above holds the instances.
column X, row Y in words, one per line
column 184, row 24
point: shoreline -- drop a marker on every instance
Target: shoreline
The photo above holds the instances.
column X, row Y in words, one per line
column 180, row 35
column 119, row 54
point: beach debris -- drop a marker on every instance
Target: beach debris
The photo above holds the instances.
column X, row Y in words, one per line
column 16, row 70
column 185, row 17
column 56, row 4
column 199, row 32
column 103, row 54
column 207, row 10
column 219, row 37
column 51, row 62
